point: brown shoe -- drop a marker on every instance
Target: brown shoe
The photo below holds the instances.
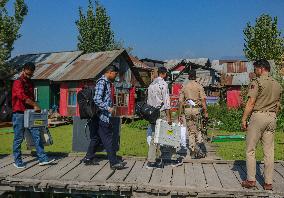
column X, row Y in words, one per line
column 267, row 186
column 248, row 184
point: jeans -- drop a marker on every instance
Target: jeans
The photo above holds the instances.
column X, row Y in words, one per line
column 18, row 125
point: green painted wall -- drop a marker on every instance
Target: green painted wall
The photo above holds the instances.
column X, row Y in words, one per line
column 43, row 89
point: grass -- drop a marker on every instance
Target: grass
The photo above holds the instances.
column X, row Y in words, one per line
column 236, row 150
column 62, row 138
column 133, row 143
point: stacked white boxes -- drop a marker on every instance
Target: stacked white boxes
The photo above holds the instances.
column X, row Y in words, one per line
column 167, row 135
column 35, row 119
column 39, row 120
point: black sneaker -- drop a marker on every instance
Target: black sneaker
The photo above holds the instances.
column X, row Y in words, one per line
column 152, row 165
column 88, row 161
column 118, row 166
column 123, row 163
column 177, row 163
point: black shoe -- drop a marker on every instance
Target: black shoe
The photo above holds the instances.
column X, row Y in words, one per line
column 152, row 165
column 88, row 161
column 177, row 163
column 118, row 166
column 123, row 163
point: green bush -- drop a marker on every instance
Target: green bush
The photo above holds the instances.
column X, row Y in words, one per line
column 221, row 117
column 280, row 121
column 225, row 119
column 139, row 124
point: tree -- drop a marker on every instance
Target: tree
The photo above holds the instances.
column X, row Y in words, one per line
column 9, row 30
column 94, row 28
column 264, row 41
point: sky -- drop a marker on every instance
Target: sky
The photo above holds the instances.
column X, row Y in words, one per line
column 157, row 29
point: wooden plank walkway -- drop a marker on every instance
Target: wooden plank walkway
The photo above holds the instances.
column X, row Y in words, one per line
column 197, row 178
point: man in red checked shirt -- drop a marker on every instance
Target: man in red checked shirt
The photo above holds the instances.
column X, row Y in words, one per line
column 22, row 99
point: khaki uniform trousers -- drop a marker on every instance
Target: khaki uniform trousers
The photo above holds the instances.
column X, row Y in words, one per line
column 155, row 151
column 195, row 136
column 261, row 127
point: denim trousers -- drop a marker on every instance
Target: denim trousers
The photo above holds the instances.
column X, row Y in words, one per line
column 18, row 125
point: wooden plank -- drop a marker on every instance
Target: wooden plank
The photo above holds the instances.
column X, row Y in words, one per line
column 178, row 178
column 10, row 160
column 120, row 175
column 10, row 170
column 62, row 162
column 259, row 175
column 156, row 177
column 212, row 179
column 7, row 161
column 278, row 180
column 166, row 177
column 35, row 170
column 279, row 168
column 56, row 175
column 227, row 177
column 145, row 175
column 88, row 172
column 258, row 185
column 132, row 176
column 198, row 176
column 5, row 158
column 238, row 172
column 189, row 176
column 143, row 178
column 103, row 174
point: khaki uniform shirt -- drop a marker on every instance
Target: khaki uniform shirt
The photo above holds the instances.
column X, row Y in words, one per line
column 158, row 93
column 192, row 91
column 267, row 92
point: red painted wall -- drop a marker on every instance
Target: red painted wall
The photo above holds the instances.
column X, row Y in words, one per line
column 131, row 104
column 234, row 99
column 63, row 99
column 176, row 88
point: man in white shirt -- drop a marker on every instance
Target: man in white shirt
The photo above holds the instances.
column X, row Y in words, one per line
column 158, row 96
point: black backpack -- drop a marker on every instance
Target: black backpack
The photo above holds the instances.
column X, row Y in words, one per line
column 147, row 112
column 87, row 106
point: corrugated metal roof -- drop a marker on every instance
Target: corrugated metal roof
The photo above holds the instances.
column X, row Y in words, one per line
column 88, row 66
column 237, row 78
column 205, row 81
column 202, row 76
column 48, row 65
column 139, row 64
column 238, row 72
column 174, row 62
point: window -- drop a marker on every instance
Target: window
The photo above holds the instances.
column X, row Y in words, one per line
column 36, row 94
column 121, row 99
column 72, row 98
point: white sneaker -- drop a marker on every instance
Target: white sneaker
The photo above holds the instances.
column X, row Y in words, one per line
column 46, row 162
column 21, row 166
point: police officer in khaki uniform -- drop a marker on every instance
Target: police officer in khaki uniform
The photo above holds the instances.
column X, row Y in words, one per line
column 262, row 106
column 191, row 101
